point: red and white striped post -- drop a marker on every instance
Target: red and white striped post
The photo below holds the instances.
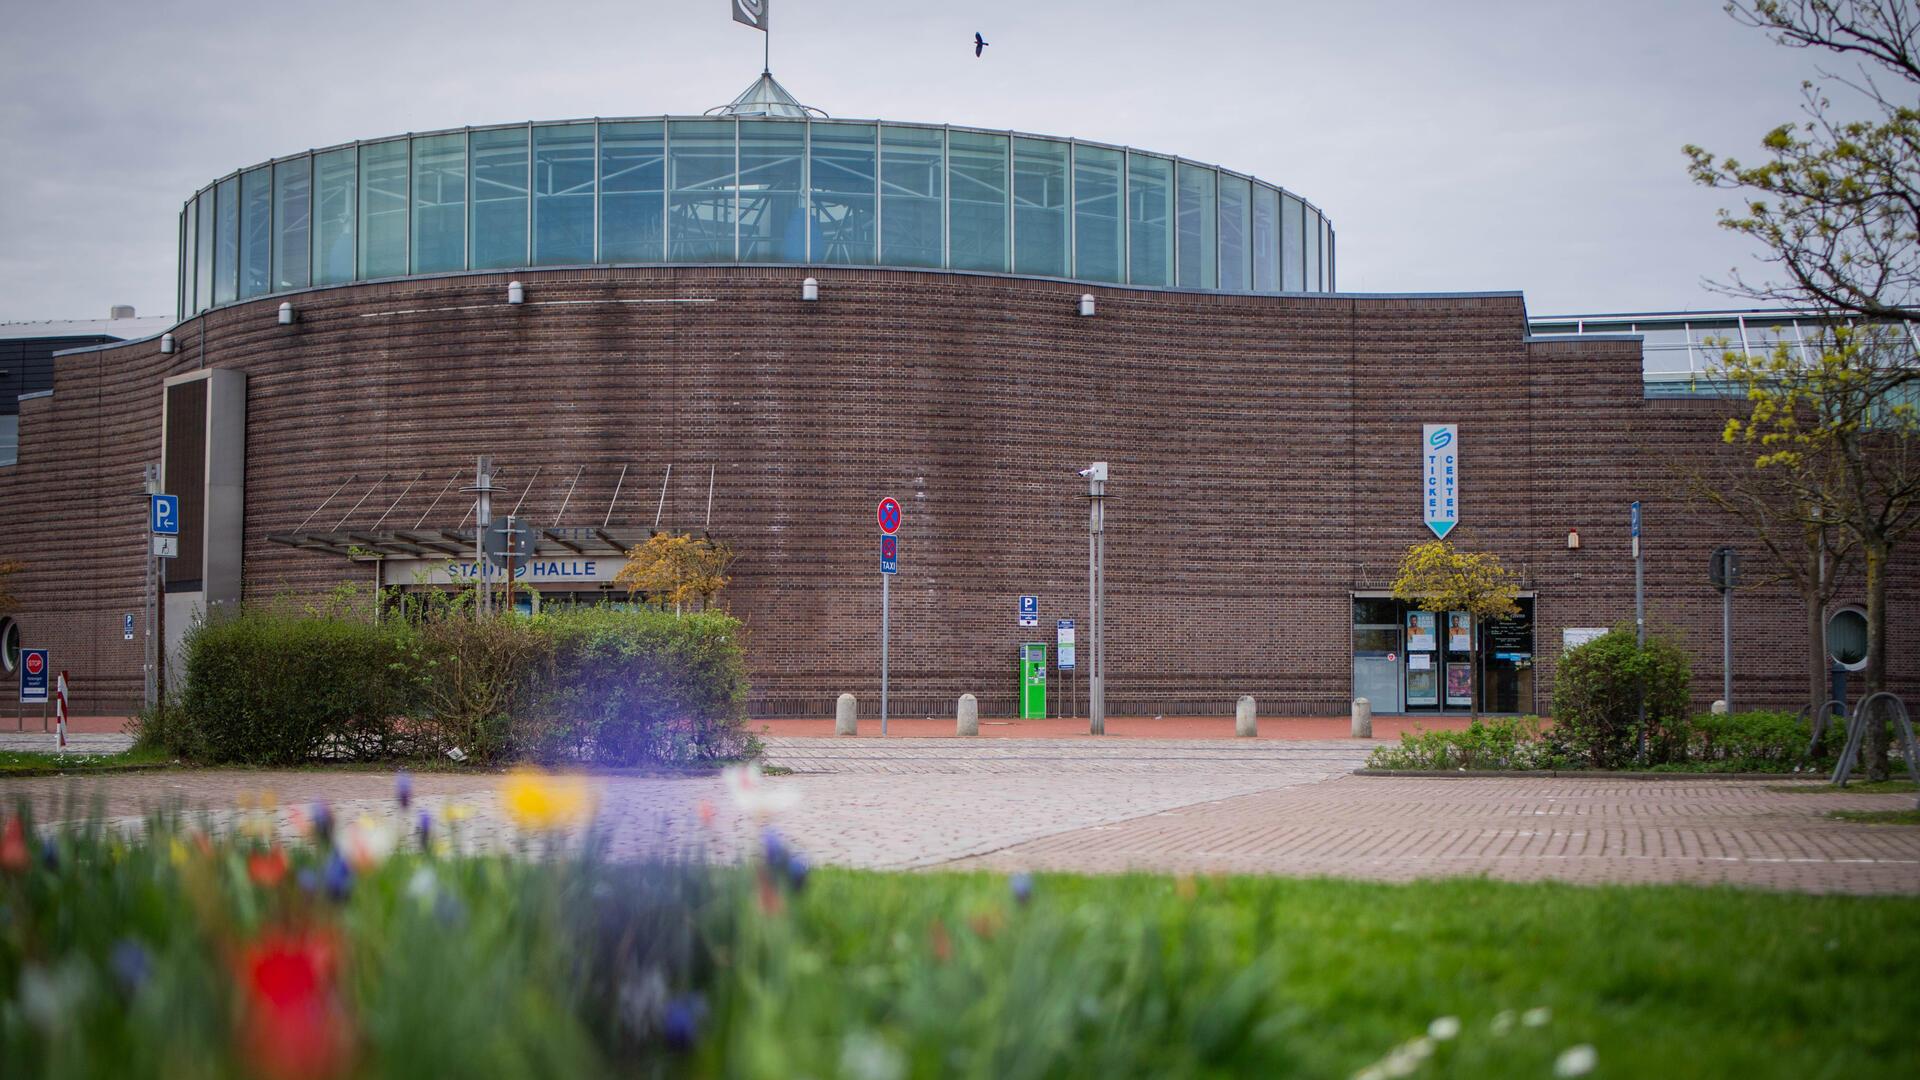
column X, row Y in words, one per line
column 60, row 709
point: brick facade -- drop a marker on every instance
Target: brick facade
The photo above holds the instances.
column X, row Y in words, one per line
column 1263, row 450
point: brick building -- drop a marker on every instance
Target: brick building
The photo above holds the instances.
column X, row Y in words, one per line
column 759, row 325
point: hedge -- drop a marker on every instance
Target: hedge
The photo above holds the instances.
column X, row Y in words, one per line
column 595, row 685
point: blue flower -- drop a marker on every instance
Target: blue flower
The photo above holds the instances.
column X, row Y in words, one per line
column 426, row 830
column 682, row 1019
column 797, row 870
column 308, row 879
column 403, row 788
column 50, row 854
column 322, row 821
column 1022, row 886
column 338, row 877
column 773, row 848
column 130, row 964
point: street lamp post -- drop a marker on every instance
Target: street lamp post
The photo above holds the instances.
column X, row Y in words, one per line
column 1096, row 475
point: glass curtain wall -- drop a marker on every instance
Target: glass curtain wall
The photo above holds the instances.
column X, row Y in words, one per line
column 773, row 155
column 700, row 212
column 256, row 232
column 292, row 223
column 1266, row 239
column 226, row 240
column 1198, row 255
column 755, row 190
column 912, row 195
column 1149, row 220
column 976, row 201
column 1293, row 267
column 844, row 171
column 497, row 192
column 633, row 192
column 1236, row 271
column 563, row 164
column 1040, row 207
column 439, row 203
column 1099, row 228
column 334, row 175
column 383, row 209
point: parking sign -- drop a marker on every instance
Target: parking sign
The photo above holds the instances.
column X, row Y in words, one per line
column 1029, row 611
column 166, row 515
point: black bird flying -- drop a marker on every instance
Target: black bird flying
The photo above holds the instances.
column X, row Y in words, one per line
column 979, row 43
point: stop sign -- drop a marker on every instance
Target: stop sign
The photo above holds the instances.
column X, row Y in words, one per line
column 35, row 663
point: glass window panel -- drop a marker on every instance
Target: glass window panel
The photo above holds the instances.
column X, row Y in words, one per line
column 292, row 223
column 1293, row 270
column 187, row 270
column 912, row 184
column 1236, row 269
column 1149, row 220
column 1313, row 251
column 256, row 231
column 844, row 185
column 1040, row 207
column 563, row 163
column 1328, row 251
column 772, row 159
column 497, row 187
column 203, row 246
column 1099, row 244
column 1266, row 239
column 633, row 192
column 976, row 201
column 1199, row 258
column 226, row 240
column 383, row 209
column 334, row 199
column 439, row 203
column 700, row 212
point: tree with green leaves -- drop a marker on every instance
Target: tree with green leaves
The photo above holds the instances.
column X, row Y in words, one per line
column 1835, row 205
column 677, row 569
column 1437, row 576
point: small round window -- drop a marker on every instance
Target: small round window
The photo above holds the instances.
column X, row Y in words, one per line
column 9, row 645
column 1847, row 638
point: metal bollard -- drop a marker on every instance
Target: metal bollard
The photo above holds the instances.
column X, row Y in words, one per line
column 1362, row 718
column 1719, row 708
column 968, row 717
column 846, row 715
column 1246, row 724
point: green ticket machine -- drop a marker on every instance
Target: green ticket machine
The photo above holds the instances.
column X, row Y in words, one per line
column 1033, row 681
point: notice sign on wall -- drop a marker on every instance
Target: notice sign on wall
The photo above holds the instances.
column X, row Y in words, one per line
column 1063, row 643
column 1440, row 491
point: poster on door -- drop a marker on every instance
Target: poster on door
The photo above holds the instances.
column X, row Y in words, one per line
column 1420, row 631
column 1423, row 684
column 1459, row 684
column 1459, row 631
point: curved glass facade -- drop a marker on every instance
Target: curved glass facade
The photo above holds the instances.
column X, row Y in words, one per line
column 744, row 190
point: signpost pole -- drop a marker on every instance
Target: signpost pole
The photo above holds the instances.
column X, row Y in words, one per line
column 1726, row 648
column 886, row 588
column 1096, row 475
column 889, row 518
column 152, row 488
column 1639, row 628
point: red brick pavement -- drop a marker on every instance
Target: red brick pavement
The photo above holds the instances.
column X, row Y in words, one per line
column 1385, row 729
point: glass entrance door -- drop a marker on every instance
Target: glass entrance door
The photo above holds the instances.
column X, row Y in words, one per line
column 1376, row 654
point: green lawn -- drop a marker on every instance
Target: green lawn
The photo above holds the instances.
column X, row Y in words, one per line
column 1878, row 817
column 1855, row 787
column 35, row 761
column 132, row 958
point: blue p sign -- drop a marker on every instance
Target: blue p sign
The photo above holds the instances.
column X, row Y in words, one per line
column 166, row 515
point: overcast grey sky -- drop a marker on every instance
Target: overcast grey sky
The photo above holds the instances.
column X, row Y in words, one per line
column 1481, row 144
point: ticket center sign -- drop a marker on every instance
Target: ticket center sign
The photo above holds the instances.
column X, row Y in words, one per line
column 1440, row 493
column 33, row 675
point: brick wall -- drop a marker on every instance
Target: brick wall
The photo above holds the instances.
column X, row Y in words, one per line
column 1264, row 454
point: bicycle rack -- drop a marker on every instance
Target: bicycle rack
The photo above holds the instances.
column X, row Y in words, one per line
column 1857, row 733
column 1823, row 715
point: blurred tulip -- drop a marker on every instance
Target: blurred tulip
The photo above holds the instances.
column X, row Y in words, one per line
column 1022, row 886
column 403, row 788
column 337, row 878
column 366, row 843
column 322, row 819
column 267, row 868
column 13, row 847
column 753, row 795
column 130, row 965
column 541, row 801
column 292, row 1025
column 681, row 1021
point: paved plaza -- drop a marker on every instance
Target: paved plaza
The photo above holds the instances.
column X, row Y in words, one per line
column 1183, row 805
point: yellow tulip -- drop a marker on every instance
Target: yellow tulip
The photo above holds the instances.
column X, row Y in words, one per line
column 537, row 800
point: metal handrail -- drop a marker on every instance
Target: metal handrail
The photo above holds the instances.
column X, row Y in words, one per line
column 1822, row 714
column 1857, row 732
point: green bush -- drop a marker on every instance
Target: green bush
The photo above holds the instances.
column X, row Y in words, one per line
column 1495, row 742
column 1757, row 741
column 610, row 687
column 641, row 686
column 269, row 688
column 1597, row 693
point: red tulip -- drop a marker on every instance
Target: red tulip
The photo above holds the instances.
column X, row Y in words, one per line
column 13, row 847
column 267, row 868
column 292, row 1027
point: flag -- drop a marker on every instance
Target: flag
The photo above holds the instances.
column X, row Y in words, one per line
column 751, row 12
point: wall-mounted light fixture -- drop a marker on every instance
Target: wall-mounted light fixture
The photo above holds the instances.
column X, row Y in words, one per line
column 166, row 344
column 286, row 313
column 516, row 293
column 810, row 289
column 1573, row 539
column 1086, row 304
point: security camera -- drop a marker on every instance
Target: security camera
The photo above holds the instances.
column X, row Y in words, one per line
column 1095, row 471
